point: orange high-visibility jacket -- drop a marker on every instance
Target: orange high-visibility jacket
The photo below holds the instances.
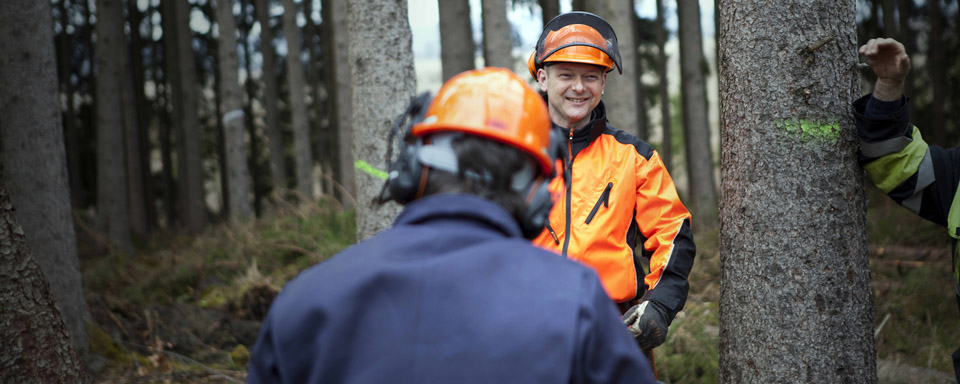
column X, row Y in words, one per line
column 611, row 193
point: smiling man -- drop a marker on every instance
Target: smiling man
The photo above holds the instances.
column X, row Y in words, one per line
column 612, row 192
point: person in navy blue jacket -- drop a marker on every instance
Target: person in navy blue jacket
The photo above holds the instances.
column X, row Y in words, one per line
column 454, row 292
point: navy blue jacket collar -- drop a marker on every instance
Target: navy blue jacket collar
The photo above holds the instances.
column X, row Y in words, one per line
column 459, row 207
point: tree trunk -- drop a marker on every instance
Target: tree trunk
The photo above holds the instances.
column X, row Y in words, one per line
column 65, row 47
column 33, row 163
column 132, row 162
column 140, row 148
column 381, row 58
column 937, row 68
column 236, row 172
column 256, row 172
column 456, row 37
column 620, row 91
column 908, row 36
column 337, row 64
column 298, row 108
column 113, row 215
column 549, row 9
column 666, row 148
column 323, row 137
column 278, row 166
column 889, row 19
column 643, row 122
column 497, row 43
column 702, row 191
column 193, row 210
column 36, row 344
column 795, row 299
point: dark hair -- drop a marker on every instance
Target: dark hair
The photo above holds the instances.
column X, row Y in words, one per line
column 485, row 170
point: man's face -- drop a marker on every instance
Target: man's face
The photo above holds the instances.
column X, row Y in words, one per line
column 573, row 91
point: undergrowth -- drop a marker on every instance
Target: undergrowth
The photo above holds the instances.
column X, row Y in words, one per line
column 228, row 275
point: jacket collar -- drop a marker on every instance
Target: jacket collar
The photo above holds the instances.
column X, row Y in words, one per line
column 462, row 208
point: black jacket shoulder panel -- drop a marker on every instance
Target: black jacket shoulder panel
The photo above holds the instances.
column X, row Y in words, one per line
column 643, row 148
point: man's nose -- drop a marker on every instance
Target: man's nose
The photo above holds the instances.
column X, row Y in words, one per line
column 578, row 85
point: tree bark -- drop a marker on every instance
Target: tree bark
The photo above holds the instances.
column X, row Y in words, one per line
column 33, row 163
column 339, row 96
column 36, row 345
column 298, row 109
column 795, row 298
column 278, row 167
column 497, row 43
column 702, row 191
column 456, row 37
column 620, row 91
column 549, row 9
column 236, row 172
column 381, row 58
column 113, row 214
column 666, row 148
column 192, row 209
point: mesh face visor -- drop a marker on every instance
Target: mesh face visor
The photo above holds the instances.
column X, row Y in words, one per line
column 577, row 29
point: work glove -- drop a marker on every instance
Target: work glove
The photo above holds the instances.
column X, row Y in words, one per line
column 647, row 323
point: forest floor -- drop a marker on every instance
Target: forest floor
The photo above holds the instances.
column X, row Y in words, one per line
column 187, row 308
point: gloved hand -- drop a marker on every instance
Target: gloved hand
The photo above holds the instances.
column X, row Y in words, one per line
column 647, row 323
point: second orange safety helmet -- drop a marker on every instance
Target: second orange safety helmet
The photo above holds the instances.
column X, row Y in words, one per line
column 493, row 103
column 576, row 37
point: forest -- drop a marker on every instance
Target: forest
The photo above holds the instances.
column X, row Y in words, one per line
column 167, row 166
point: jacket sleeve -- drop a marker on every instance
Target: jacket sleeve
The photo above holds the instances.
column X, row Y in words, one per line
column 920, row 177
column 605, row 351
column 665, row 225
column 264, row 366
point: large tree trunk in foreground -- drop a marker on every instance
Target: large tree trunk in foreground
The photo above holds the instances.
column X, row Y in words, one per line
column 33, row 163
column 795, row 298
column 36, row 346
column 238, row 175
column 381, row 57
column 702, row 197
column 620, row 91
column 456, row 36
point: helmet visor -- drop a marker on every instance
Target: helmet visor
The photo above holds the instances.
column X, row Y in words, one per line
column 577, row 29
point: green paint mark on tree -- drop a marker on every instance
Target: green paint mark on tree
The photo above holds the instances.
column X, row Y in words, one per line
column 812, row 129
column 369, row 169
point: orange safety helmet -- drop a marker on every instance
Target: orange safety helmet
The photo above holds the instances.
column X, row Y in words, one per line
column 576, row 37
column 493, row 103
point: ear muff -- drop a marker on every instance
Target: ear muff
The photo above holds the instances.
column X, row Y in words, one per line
column 405, row 173
column 539, row 203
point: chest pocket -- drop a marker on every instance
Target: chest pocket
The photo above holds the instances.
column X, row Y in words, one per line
column 604, row 199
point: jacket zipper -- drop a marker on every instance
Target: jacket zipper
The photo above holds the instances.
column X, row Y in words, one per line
column 556, row 240
column 569, row 176
column 604, row 198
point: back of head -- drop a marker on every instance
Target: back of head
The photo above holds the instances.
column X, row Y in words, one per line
column 485, row 133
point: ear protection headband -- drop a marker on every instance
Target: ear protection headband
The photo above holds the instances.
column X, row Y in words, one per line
column 407, row 174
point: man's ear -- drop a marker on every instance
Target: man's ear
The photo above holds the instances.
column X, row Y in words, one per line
column 542, row 79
